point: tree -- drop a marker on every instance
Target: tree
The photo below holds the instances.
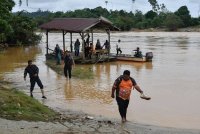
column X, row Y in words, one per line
column 154, row 5
column 156, row 22
column 150, row 14
column 194, row 22
column 5, row 28
column 15, row 27
column 184, row 15
column 173, row 22
column 138, row 16
column 23, row 33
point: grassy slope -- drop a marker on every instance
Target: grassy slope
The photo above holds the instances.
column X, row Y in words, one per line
column 16, row 105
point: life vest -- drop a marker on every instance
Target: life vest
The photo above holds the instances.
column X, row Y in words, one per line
column 125, row 88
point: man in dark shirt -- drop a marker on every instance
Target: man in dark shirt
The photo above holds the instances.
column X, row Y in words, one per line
column 33, row 71
column 68, row 65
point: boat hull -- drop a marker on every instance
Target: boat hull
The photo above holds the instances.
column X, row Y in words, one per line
column 126, row 57
column 143, row 59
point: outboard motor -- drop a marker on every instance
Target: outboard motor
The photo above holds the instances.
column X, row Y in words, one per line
column 149, row 56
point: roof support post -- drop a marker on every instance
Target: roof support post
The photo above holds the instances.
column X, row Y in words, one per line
column 83, row 45
column 108, row 32
column 71, row 48
column 63, row 32
column 92, row 37
column 47, row 43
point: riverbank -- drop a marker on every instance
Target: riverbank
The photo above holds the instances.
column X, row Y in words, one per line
column 81, row 124
column 62, row 122
column 187, row 29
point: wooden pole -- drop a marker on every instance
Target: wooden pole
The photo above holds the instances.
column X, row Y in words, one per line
column 83, row 45
column 71, row 42
column 92, row 38
column 108, row 32
column 47, row 44
column 63, row 32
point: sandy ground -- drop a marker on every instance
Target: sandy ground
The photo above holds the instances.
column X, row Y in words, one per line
column 80, row 123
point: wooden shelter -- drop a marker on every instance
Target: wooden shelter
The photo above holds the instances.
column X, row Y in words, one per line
column 83, row 26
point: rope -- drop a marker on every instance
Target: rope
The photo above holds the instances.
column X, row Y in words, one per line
column 98, row 60
column 44, row 91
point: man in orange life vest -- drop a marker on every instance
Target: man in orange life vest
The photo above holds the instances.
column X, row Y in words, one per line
column 123, row 86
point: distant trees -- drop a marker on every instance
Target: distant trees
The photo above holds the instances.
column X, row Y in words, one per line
column 24, row 28
column 126, row 20
column 16, row 28
column 184, row 15
column 5, row 27
column 155, row 18
column 173, row 22
column 161, row 18
column 150, row 14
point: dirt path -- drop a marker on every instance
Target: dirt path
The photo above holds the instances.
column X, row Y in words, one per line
column 79, row 123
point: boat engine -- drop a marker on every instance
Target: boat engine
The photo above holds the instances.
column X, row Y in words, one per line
column 149, row 56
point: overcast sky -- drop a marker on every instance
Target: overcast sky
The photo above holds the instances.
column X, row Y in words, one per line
column 127, row 5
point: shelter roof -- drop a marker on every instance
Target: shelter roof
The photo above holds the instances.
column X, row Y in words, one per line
column 77, row 25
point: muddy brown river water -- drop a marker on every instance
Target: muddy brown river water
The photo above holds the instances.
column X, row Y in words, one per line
column 171, row 79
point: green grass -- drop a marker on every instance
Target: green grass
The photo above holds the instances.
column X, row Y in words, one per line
column 15, row 105
column 79, row 71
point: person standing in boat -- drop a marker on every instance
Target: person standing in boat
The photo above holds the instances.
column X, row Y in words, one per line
column 118, row 49
column 122, row 87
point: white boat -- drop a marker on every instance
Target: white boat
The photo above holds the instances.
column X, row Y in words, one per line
column 128, row 57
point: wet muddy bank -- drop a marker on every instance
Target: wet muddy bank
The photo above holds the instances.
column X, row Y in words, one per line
column 80, row 124
column 76, row 122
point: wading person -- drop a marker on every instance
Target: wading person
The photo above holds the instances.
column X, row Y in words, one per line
column 68, row 65
column 33, row 71
column 58, row 53
column 123, row 86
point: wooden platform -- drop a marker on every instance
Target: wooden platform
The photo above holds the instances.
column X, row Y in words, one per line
column 93, row 60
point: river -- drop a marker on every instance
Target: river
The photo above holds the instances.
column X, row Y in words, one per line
column 171, row 79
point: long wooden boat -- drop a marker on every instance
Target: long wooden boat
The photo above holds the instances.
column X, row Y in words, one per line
column 128, row 57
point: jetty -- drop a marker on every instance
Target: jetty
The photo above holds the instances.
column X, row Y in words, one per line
column 84, row 27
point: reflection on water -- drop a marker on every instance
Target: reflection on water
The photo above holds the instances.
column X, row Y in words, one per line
column 171, row 79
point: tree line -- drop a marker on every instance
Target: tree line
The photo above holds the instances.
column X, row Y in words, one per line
column 18, row 28
column 158, row 17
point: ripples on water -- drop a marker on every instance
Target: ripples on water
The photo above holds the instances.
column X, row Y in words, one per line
column 171, row 79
